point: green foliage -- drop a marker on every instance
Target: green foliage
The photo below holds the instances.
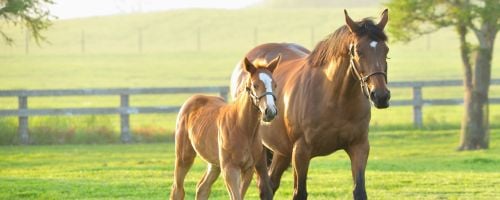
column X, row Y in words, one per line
column 402, row 165
column 32, row 14
column 412, row 18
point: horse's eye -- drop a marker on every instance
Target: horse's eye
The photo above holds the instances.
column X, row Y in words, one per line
column 387, row 58
column 255, row 86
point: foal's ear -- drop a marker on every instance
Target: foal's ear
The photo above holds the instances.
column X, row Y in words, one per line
column 249, row 67
column 353, row 27
column 383, row 19
column 274, row 63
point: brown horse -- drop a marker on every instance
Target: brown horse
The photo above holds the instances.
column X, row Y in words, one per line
column 322, row 107
column 226, row 136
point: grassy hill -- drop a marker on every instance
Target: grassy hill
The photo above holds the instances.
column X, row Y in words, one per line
column 162, row 49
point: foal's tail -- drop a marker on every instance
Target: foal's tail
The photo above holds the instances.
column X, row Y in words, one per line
column 183, row 149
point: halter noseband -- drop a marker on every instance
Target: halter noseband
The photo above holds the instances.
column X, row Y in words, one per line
column 363, row 80
column 256, row 98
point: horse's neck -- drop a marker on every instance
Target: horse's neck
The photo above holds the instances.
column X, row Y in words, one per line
column 248, row 116
column 338, row 87
column 338, row 79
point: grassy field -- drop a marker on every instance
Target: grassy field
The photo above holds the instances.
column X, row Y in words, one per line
column 170, row 57
column 402, row 165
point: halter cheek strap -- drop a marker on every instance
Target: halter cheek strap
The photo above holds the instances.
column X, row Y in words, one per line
column 256, row 99
column 363, row 80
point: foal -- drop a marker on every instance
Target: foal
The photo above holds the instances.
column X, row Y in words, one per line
column 226, row 136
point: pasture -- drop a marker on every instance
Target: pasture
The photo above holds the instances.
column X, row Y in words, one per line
column 170, row 57
column 402, row 165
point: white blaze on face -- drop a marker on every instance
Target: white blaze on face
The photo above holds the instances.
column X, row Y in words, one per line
column 373, row 44
column 268, row 83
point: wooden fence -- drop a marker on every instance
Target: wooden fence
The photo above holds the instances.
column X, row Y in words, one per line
column 23, row 112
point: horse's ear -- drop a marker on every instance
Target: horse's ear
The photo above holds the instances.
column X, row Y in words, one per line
column 249, row 67
column 383, row 19
column 274, row 63
column 353, row 27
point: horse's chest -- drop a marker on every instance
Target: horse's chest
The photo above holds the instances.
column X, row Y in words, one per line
column 328, row 138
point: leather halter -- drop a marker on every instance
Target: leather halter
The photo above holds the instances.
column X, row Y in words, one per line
column 256, row 99
column 363, row 80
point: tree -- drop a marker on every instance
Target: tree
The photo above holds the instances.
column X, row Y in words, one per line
column 413, row 18
column 33, row 14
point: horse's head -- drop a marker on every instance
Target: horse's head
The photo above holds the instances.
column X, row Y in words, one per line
column 368, row 53
column 261, row 86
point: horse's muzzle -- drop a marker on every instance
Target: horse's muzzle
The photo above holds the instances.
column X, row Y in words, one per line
column 380, row 98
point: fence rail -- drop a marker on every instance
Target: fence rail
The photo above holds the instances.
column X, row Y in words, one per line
column 125, row 110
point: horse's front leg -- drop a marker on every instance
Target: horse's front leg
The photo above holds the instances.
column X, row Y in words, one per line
column 300, row 159
column 358, row 153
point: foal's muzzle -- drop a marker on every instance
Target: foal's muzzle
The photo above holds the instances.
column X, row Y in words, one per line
column 269, row 114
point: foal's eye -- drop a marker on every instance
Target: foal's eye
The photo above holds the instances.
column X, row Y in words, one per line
column 255, row 86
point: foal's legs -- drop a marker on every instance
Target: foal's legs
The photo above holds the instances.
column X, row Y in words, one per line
column 358, row 153
column 232, row 178
column 205, row 184
column 278, row 166
column 300, row 161
column 246, row 178
column 184, row 158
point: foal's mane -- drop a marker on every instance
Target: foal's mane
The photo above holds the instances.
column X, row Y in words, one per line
column 336, row 44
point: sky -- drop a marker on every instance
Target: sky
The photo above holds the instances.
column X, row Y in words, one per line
column 65, row 9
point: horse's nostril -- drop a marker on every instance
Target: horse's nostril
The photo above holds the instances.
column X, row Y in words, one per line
column 373, row 95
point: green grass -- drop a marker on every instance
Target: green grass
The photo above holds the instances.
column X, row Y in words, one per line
column 402, row 165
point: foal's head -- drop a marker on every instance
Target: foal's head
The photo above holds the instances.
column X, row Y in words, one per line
column 368, row 51
column 260, row 87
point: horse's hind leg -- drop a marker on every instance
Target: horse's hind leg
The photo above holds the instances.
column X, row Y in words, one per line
column 184, row 158
column 205, row 184
column 263, row 180
column 278, row 166
column 358, row 153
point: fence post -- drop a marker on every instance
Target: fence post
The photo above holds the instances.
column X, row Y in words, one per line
column 126, row 137
column 198, row 39
column 417, row 106
column 312, row 37
column 82, row 41
column 23, row 120
column 139, row 42
column 27, row 42
column 255, row 36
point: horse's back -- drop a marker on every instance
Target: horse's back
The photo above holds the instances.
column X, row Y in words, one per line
column 197, row 118
column 269, row 51
column 289, row 52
